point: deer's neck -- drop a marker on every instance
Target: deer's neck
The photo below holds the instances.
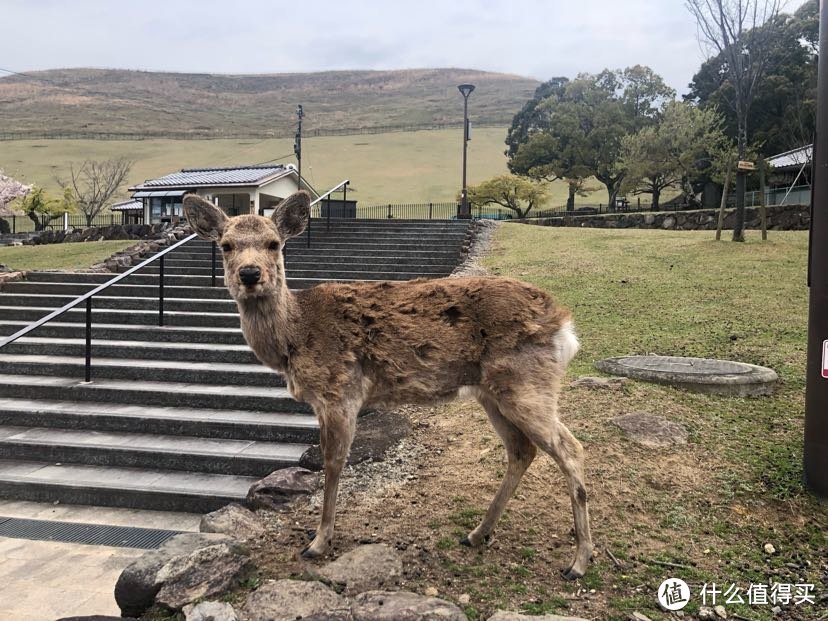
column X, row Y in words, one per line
column 270, row 325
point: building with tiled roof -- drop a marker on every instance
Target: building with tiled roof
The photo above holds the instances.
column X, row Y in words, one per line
column 237, row 190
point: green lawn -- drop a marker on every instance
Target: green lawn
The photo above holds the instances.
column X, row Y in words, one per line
column 711, row 505
column 60, row 256
column 398, row 167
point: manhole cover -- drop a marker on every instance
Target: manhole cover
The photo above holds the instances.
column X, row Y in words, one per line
column 707, row 375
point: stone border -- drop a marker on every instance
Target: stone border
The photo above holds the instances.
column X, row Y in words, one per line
column 736, row 379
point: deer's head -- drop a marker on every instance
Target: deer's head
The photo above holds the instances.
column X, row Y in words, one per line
column 251, row 246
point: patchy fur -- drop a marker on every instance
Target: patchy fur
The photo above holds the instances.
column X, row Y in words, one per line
column 347, row 346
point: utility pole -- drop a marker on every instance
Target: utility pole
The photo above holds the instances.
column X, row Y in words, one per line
column 297, row 142
column 465, row 90
column 816, row 388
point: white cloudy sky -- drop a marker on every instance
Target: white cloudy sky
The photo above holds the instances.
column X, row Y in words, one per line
column 537, row 38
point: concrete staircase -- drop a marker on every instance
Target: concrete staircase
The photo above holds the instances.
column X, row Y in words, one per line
column 181, row 417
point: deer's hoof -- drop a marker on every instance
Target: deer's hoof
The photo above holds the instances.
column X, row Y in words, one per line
column 466, row 541
column 571, row 573
column 311, row 533
column 309, row 553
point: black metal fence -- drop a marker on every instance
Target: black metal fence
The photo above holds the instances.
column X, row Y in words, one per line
column 24, row 224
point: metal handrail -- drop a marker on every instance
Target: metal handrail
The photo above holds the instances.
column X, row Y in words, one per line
column 87, row 297
column 327, row 196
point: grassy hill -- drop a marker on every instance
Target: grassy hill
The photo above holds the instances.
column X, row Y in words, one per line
column 88, row 102
column 395, row 167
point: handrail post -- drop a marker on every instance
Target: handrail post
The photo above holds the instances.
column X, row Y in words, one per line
column 328, row 203
column 161, row 291
column 310, row 217
column 88, row 369
column 213, row 266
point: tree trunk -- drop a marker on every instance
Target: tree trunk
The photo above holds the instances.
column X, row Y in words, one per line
column 656, row 197
column 739, row 220
column 89, row 219
column 570, row 200
column 38, row 223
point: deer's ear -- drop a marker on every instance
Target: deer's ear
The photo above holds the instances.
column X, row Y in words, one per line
column 291, row 215
column 207, row 220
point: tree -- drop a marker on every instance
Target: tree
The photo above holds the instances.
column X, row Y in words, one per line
column 784, row 105
column 94, row 184
column 584, row 121
column 510, row 191
column 11, row 189
column 683, row 145
column 42, row 208
column 735, row 30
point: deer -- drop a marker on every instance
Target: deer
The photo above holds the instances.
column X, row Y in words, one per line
column 344, row 347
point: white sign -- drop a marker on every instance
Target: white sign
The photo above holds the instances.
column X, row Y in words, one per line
column 825, row 359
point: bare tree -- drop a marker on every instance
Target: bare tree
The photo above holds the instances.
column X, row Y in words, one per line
column 94, row 184
column 734, row 29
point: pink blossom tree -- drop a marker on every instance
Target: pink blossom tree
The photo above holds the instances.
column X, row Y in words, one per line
column 11, row 189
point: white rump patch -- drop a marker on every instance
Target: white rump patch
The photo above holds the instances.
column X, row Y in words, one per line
column 567, row 343
column 466, row 393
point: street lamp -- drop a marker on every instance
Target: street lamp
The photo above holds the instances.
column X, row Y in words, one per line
column 297, row 142
column 465, row 90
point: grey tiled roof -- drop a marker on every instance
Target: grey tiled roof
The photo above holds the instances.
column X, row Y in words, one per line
column 794, row 157
column 215, row 176
column 130, row 205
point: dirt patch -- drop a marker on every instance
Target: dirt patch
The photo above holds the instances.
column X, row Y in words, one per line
column 472, row 265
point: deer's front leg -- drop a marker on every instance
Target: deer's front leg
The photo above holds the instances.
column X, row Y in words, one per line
column 336, row 432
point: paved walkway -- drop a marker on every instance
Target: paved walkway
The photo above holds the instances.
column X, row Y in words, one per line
column 45, row 580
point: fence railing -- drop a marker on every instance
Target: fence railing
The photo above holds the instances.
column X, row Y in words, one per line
column 24, row 224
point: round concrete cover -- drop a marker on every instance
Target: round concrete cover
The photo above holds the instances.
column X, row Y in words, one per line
column 707, row 375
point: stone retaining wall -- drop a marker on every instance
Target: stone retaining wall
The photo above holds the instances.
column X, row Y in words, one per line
column 94, row 233
column 780, row 218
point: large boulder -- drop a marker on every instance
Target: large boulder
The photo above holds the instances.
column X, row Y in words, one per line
column 287, row 600
column 370, row 567
column 138, row 583
column 403, row 606
column 234, row 520
column 202, row 574
column 280, row 487
column 209, row 611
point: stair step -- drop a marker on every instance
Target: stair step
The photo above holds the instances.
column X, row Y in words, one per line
column 136, row 488
column 137, row 450
column 126, row 317
column 176, row 394
column 142, row 350
column 118, row 302
column 119, row 417
column 118, row 332
column 147, row 369
column 75, row 289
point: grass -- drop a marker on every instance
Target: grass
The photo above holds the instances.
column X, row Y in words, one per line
column 60, row 256
column 399, row 167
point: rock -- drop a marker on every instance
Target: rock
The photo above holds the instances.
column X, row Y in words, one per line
column 431, row 592
column 720, row 612
column 403, row 606
column 370, row 567
column 287, row 600
column 464, row 599
column 649, row 219
column 137, row 586
column 205, row 573
column 651, row 431
column 637, row 616
column 233, row 520
column 669, row 223
column 343, row 614
column 376, row 433
column 11, row 276
column 503, row 615
column 209, row 611
column 280, row 487
column 706, row 613
column 769, row 549
column 606, row 383
column 97, row 618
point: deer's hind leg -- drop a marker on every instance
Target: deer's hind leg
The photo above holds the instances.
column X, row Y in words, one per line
column 520, row 452
column 534, row 412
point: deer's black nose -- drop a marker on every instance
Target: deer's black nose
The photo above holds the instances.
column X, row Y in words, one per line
column 250, row 275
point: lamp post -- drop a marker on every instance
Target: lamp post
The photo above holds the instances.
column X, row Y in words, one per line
column 465, row 90
column 816, row 388
column 297, row 143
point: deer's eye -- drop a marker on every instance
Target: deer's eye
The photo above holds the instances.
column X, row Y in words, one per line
column 274, row 245
column 226, row 247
